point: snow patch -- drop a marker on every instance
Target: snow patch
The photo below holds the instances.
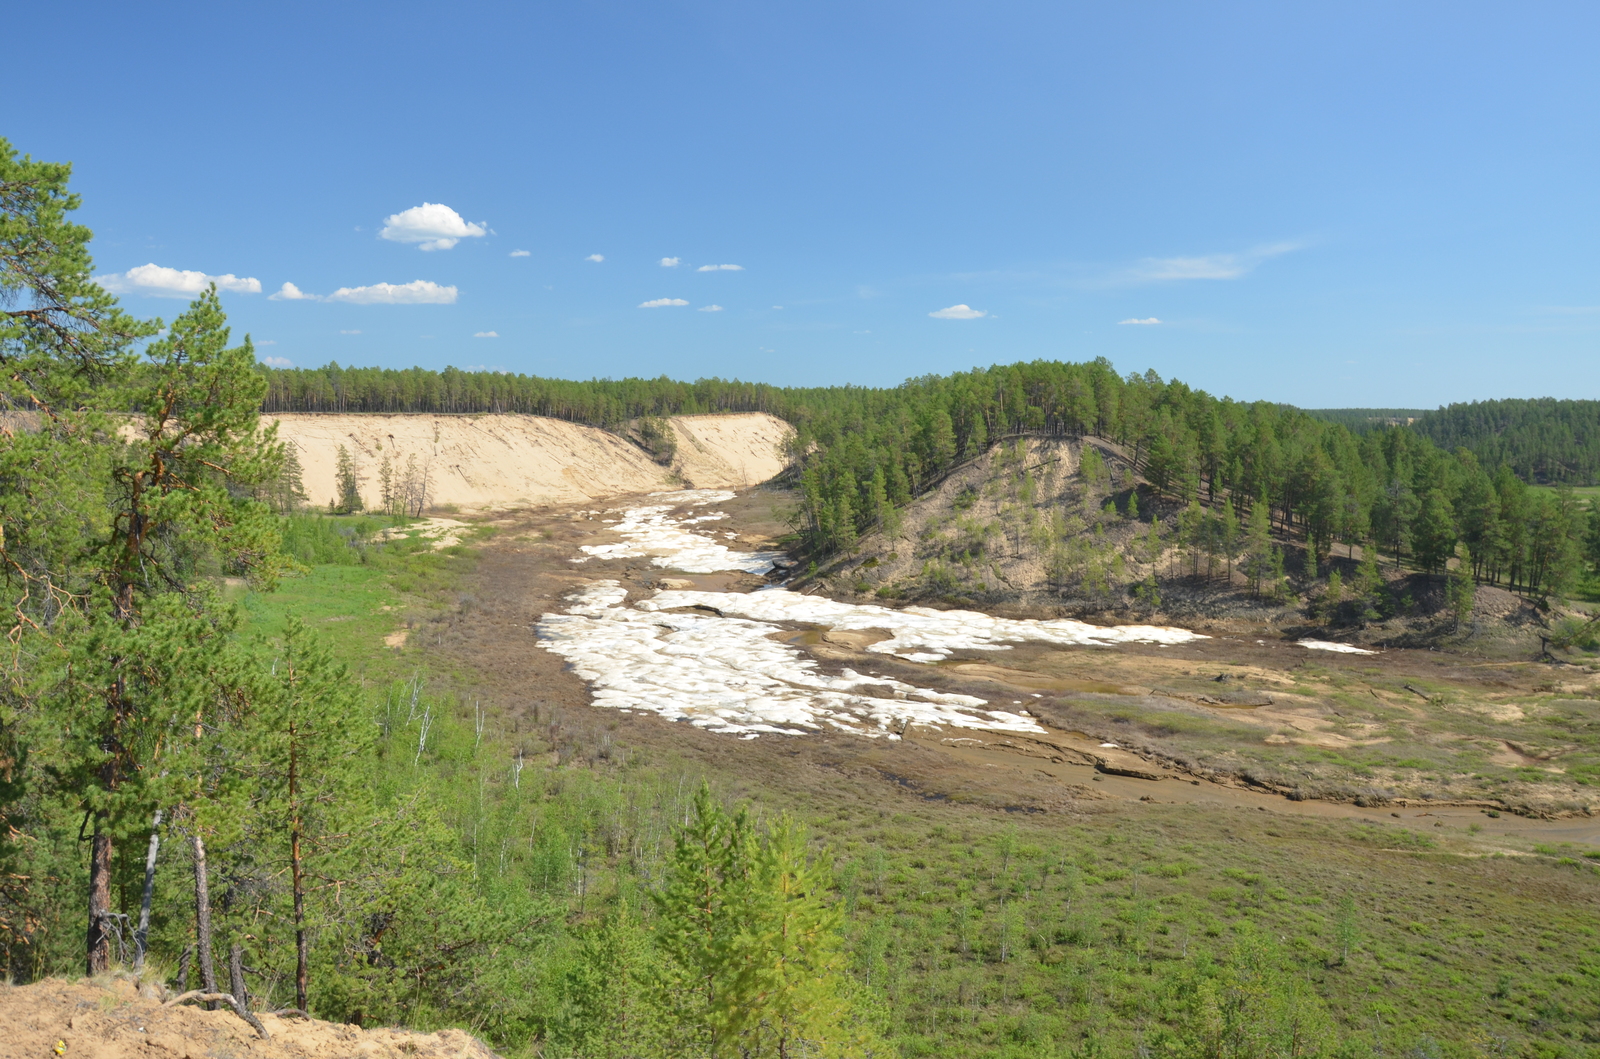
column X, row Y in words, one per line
column 711, row 658
column 1328, row 645
column 728, row 675
column 918, row 634
column 652, row 531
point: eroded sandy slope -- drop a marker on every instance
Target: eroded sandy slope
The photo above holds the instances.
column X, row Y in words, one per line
column 480, row 462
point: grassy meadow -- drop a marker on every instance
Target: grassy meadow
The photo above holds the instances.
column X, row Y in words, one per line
column 1136, row 930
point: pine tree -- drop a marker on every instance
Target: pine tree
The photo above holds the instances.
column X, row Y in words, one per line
column 753, row 963
column 1460, row 589
column 1434, row 533
column 347, row 484
column 179, row 493
column 308, row 737
column 1369, row 581
column 1258, row 546
column 614, row 1010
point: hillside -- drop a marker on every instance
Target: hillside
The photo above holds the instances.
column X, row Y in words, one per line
column 1049, row 524
column 482, row 462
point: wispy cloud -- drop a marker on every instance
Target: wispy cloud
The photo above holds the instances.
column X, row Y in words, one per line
column 486, row 334
column 277, row 362
column 417, row 292
column 596, row 258
column 519, row 253
column 661, row 303
column 290, row 293
column 432, row 226
column 719, row 268
column 349, row 332
column 671, row 262
column 709, row 309
column 158, row 281
column 1206, row 266
column 1146, row 322
column 958, row 312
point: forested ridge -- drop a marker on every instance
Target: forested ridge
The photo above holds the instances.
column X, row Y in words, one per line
column 1457, row 476
column 1542, row 440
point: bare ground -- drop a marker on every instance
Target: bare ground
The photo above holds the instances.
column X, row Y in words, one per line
column 1245, row 718
column 118, row 1018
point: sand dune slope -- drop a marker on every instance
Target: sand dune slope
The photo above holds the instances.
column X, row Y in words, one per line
column 481, row 462
column 729, row 451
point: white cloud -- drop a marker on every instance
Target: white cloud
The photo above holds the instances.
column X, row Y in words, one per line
column 1208, row 266
column 290, row 293
column 158, row 281
column 519, row 253
column 958, row 312
column 432, row 225
column 596, row 258
column 486, row 334
column 709, row 309
column 277, row 362
column 417, row 292
column 349, row 332
column 1146, row 322
column 662, row 302
column 718, row 268
column 671, row 262
column 777, row 306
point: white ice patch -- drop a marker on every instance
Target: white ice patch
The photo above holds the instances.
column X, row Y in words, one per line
column 721, row 669
column 918, row 634
column 651, row 531
column 728, row 674
column 1327, row 645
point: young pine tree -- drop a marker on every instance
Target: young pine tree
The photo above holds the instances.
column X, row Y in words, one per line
column 347, row 484
column 1460, row 591
column 753, row 962
column 310, row 741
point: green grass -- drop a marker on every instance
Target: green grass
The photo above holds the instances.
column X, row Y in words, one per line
column 1586, row 494
column 994, row 934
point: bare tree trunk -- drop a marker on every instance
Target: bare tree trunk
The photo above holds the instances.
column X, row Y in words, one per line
column 300, row 946
column 202, row 919
column 141, row 937
column 297, row 871
column 99, row 942
column 236, row 976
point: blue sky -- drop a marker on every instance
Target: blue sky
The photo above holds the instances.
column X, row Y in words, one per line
column 1356, row 204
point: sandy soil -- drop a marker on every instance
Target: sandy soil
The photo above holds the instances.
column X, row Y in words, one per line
column 486, row 462
column 116, row 1019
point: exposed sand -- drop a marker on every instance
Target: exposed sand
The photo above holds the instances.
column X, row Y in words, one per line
column 114, row 1018
column 488, row 462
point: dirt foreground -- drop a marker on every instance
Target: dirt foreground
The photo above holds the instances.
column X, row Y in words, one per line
column 113, row 1018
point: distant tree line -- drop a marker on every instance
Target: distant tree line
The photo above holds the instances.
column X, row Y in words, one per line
column 599, row 402
column 1542, row 440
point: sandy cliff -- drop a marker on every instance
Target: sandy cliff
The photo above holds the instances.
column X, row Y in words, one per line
column 479, row 462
